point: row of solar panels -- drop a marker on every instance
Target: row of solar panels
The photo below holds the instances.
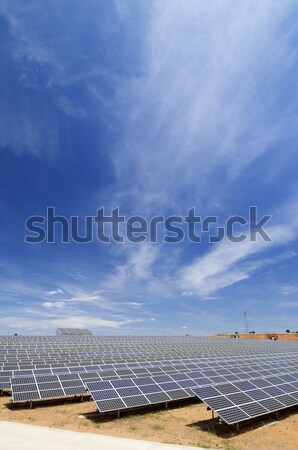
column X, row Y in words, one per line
column 134, row 367
column 123, row 394
column 108, row 339
column 60, row 357
column 130, row 348
column 236, row 402
column 58, row 360
column 109, row 369
column 156, row 361
column 67, row 352
column 97, row 345
column 53, row 386
column 54, row 364
column 197, row 362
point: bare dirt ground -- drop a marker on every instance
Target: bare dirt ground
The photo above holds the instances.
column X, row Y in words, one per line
column 261, row 336
column 187, row 424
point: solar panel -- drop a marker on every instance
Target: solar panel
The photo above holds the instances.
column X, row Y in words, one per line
column 150, row 388
column 25, row 396
column 246, row 404
column 135, row 401
column 159, row 397
column 227, row 388
column 178, row 394
column 257, row 394
column 217, row 403
column 110, row 405
column 122, row 383
column 176, row 364
column 233, row 415
column 254, row 409
column 287, row 400
column 239, row 398
column 128, row 392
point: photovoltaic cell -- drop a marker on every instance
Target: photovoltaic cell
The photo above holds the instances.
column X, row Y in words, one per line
column 227, row 388
column 150, row 389
column 257, row 394
column 217, row 403
column 254, row 409
column 128, row 392
column 206, row 392
column 137, row 400
column 178, row 394
column 271, row 404
column 159, row 397
column 105, row 395
column 233, row 415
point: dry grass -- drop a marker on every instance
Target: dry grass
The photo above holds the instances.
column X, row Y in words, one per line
column 188, row 425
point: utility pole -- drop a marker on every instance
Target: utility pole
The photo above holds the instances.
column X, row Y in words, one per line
column 246, row 323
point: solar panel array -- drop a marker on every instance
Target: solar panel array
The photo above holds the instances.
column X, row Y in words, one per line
column 182, row 385
column 43, row 352
column 243, row 400
column 122, row 394
column 123, row 372
column 78, row 376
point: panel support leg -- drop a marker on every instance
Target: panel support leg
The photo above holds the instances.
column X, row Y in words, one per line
column 166, row 405
column 118, row 414
column 237, row 426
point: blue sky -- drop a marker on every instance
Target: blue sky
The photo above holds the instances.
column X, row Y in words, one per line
column 155, row 108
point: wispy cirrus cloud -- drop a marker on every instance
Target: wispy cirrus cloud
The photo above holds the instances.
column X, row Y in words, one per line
column 204, row 110
column 289, row 289
column 55, row 305
column 71, row 108
column 136, row 270
column 229, row 263
column 289, row 303
column 175, row 104
column 75, row 321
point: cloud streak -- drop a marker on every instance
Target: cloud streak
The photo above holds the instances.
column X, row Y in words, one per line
column 229, row 263
column 204, row 109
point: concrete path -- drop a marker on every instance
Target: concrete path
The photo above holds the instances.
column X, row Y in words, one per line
column 18, row 436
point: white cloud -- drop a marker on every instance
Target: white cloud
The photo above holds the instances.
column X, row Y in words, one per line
column 45, row 321
column 289, row 289
column 137, row 271
column 55, row 305
column 82, row 321
column 229, row 262
column 200, row 114
column 55, row 291
column 289, row 303
column 71, row 108
column 187, row 293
